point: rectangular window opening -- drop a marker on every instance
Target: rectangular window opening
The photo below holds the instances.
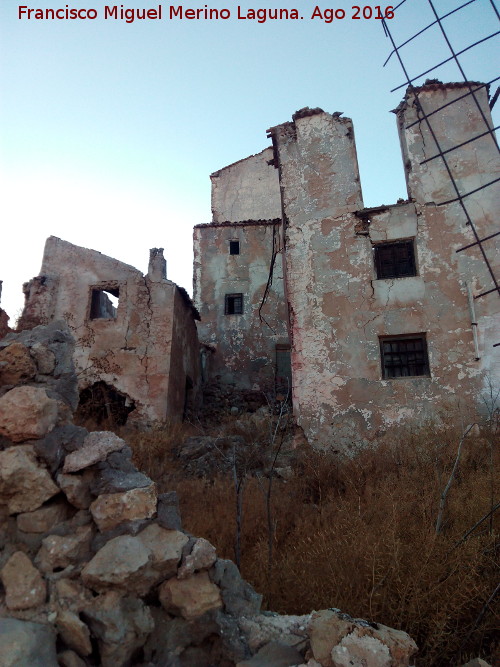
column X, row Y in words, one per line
column 404, row 356
column 395, row 260
column 234, row 304
column 104, row 303
column 234, row 247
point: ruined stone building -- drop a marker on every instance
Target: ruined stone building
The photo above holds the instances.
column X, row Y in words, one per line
column 136, row 343
column 379, row 305
column 246, row 335
column 367, row 317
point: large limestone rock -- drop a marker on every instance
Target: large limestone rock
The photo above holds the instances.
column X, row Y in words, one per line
column 23, row 583
column 261, row 629
column 61, row 551
column 135, row 564
column 337, row 640
column 71, row 594
column 76, row 488
column 166, row 549
column 121, row 624
column 190, row 597
column 239, row 598
column 16, row 365
column 356, row 651
column 42, row 519
column 54, row 338
column 202, row 557
column 61, row 441
column 96, row 447
column 25, row 644
column 112, row 509
column 24, row 485
column 121, row 563
column 74, row 632
column 45, row 358
column 27, row 413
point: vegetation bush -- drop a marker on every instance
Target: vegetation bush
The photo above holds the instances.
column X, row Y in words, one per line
column 359, row 533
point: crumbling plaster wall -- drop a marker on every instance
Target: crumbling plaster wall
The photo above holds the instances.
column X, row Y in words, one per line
column 244, row 344
column 246, row 190
column 131, row 352
column 339, row 309
column 183, row 395
column 473, row 164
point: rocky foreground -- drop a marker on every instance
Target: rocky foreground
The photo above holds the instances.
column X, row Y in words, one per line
column 95, row 566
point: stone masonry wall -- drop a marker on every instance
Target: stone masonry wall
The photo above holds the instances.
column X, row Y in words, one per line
column 95, row 568
column 246, row 190
column 246, row 211
column 341, row 311
column 130, row 348
column 244, row 344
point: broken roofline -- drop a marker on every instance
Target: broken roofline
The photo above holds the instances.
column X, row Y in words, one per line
column 182, row 291
column 428, row 85
column 241, row 223
column 217, row 173
column 366, row 212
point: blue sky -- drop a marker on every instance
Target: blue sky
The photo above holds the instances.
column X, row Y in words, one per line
column 109, row 130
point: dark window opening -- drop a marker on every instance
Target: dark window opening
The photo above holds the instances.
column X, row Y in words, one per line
column 404, row 356
column 234, row 304
column 104, row 303
column 234, row 247
column 102, row 404
column 395, row 260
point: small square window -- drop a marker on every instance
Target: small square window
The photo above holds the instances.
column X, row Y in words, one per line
column 104, row 303
column 404, row 356
column 234, row 247
column 395, row 260
column 234, row 304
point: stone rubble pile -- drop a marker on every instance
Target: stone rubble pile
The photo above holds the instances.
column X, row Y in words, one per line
column 94, row 564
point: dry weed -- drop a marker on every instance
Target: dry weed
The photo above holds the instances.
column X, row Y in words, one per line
column 359, row 534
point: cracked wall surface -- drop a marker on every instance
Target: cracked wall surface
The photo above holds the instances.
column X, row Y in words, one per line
column 246, row 190
column 340, row 311
column 246, row 210
column 148, row 351
column 243, row 344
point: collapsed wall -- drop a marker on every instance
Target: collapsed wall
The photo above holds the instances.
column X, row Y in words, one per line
column 135, row 335
column 95, row 566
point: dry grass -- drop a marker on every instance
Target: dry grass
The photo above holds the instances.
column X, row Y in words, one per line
column 359, row 534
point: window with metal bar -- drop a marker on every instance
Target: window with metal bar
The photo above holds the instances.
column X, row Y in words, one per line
column 395, row 260
column 234, row 304
column 404, row 356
